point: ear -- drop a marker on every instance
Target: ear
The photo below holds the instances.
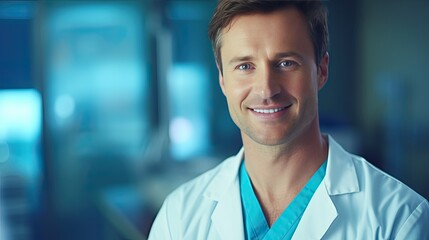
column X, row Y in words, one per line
column 322, row 73
column 221, row 80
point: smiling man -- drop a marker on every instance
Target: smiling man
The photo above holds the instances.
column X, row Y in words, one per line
column 289, row 180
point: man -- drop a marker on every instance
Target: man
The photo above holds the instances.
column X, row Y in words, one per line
column 289, row 180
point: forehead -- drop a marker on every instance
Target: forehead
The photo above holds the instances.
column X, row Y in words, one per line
column 286, row 19
column 284, row 29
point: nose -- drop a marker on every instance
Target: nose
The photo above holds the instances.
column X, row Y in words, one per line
column 267, row 85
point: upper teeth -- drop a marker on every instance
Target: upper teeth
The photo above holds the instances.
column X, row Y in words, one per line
column 267, row 110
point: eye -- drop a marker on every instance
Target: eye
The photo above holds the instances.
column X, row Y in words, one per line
column 287, row 64
column 244, row 67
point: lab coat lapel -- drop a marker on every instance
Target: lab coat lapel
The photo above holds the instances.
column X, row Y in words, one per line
column 318, row 216
column 340, row 178
column 227, row 216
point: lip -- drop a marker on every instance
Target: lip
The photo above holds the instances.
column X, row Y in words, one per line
column 269, row 112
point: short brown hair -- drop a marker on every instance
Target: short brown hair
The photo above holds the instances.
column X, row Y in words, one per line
column 313, row 10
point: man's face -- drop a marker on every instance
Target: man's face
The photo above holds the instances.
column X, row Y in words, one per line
column 270, row 78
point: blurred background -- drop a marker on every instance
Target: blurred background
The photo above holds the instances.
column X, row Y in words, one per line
column 107, row 106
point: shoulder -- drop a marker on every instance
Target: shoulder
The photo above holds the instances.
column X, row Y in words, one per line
column 204, row 183
column 351, row 173
column 198, row 195
column 378, row 201
column 376, row 182
column 396, row 208
column 187, row 210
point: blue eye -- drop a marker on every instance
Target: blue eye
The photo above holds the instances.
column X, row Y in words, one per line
column 244, row 67
column 287, row 63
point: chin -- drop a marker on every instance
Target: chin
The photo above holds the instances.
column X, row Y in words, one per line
column 269, row 140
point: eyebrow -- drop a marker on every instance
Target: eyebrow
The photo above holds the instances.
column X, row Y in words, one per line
column 277, row 56
column 240, row 59
column 289, row 54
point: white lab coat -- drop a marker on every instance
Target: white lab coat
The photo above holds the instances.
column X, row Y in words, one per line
column 354, row 201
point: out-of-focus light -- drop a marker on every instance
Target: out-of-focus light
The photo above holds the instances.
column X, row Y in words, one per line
column 181, row 130
column 4, row 152
column 20, row 114
column 189, row 119
column 64, row 106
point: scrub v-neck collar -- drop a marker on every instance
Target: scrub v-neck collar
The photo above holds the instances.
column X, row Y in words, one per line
column 256, row 226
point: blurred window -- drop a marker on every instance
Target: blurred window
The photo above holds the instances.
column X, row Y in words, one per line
column 97, row 96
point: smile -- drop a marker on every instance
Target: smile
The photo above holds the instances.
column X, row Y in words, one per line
column 267, row 111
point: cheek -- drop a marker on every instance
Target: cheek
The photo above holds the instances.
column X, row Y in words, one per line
column 237, row 90
column 305, row 86
column 300, row 89
column 307, row 96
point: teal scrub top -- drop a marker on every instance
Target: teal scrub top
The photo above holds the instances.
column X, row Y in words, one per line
column 255, row 224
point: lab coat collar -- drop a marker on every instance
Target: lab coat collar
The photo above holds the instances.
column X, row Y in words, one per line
column 227, row 178
column 340, row 178
column 227, row 216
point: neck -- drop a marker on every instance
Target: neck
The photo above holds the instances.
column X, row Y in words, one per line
column 279, row 172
